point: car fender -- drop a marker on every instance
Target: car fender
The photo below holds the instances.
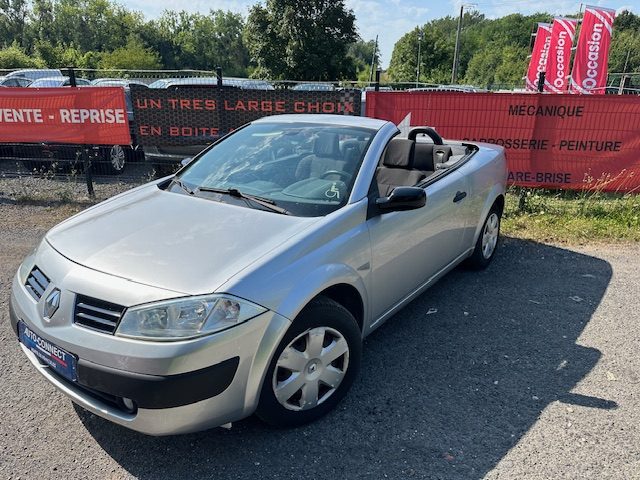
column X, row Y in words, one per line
column 496, row 191
column 318, row 280
column 313, row 284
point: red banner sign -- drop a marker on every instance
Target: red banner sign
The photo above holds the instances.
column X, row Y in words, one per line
column 562, row 34
column 554, row 141
column 539, row 56
column 87, row 115
column 589, row 74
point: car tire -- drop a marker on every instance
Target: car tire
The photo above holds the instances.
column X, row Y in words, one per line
column 487, row 242
column 113, row 160
column 304, row 381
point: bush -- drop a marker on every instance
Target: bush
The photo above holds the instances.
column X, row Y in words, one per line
column 14, row 57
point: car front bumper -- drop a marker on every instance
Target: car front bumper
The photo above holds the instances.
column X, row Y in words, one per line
column 177, row 387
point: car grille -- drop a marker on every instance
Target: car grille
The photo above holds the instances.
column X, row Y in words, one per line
column 97, row 314
column 37, row 282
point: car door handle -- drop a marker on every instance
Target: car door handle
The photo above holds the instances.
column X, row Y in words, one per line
column 459, row 196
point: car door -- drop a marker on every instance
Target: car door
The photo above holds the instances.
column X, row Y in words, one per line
column 410, row 247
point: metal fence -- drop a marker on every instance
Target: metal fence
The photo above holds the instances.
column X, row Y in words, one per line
column 104, row 163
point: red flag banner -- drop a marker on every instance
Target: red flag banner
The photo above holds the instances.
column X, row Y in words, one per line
column 589, row 74
column 81, row 115
column 552, row 141
column 539, row 56
column 563, row 32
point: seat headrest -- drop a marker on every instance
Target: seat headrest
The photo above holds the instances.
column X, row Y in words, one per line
column 327, row 145
column 423, row 157
column 399, row 153
column 351, row 153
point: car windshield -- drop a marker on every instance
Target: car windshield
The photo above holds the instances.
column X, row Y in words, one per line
column 306, row 169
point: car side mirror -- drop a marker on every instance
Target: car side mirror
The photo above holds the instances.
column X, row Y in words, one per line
column 401, row 199
column 186, row 161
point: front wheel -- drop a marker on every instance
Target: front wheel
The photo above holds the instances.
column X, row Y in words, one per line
column 313, row 367
column 485, row 248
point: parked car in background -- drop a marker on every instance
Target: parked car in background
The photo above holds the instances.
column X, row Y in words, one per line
column 247, row 281
column 314, row 87
column 106, row 160
column 115, row 82
column 242, row 83
column 449, row 88
column 14, row 81
column 35, row 73
column 61, row 81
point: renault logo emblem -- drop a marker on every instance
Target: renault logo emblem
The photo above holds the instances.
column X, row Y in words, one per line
column 52, row 303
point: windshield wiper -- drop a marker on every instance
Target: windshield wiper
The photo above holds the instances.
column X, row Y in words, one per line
column 178, row 182
column 234, row 192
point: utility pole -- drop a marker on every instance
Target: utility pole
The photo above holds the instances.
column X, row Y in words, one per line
column 456, row 53
column 420, row 37
column 373, row 59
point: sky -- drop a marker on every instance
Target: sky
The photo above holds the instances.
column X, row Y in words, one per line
column 390, row 19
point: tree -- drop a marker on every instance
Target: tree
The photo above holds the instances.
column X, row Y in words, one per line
column 624, row 56
column 133, row 56
column 512, row 67
column 483, row 65
column 98, row 25
column 301, row 39
column 14, row 57
column 197, row 41
column 436, row 50
column 626, row 20
column 361, row 54
column 13, row 18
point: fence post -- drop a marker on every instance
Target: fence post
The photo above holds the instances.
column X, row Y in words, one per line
column 541, row 77
column 376, row 86
column 72, row 77
column 219, row 76
column 623, row 83
column 88, row 174
column 84, row 150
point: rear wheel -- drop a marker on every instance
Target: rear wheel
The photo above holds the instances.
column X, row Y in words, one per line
column 113, row 160
column 485, row 248
column 314, row 366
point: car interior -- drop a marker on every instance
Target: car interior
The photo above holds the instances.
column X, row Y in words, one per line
column 317, row 166
column 409, row 162
column 304, row 165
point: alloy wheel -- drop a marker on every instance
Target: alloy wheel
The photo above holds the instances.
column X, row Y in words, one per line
column 117, row 158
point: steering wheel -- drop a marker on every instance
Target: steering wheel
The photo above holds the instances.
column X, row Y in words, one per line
column 340, row 173
column 430, row 132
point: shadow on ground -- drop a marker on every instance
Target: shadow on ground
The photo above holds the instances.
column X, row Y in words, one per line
column 440, row 395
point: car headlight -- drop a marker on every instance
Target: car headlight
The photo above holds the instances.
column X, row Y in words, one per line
column 185, row 318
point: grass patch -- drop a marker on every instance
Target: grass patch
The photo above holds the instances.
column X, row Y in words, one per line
column 571, row 216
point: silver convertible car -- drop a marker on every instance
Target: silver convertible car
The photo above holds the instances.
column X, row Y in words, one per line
column 247, row 281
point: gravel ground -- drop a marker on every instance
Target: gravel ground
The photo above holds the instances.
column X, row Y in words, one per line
column 527, row 370
column 17, row 185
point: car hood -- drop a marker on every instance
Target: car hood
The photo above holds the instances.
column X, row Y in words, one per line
column 168, row 240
